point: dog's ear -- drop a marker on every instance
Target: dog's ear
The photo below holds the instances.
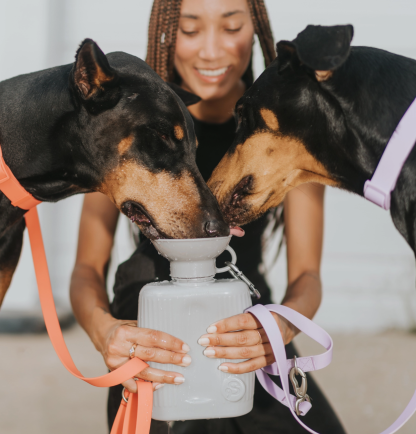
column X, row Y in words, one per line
column 92, row 72
column 323, row 49
column 188, row 98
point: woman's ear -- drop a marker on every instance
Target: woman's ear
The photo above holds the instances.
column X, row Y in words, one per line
column 188, row 98
column 92, row 72
column 323, row 49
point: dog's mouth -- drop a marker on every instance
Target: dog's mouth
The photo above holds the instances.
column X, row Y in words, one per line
column 138, row 215
column 235, row 207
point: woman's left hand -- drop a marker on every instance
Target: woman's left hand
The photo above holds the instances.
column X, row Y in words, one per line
column 242, row 337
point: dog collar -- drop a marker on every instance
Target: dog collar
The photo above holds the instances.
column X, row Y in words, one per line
column 11, row 187
column 378, row 190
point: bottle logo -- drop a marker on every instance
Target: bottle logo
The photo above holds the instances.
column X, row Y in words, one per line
column 233, row 389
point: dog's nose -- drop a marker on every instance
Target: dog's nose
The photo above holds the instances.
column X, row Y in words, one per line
column 217, row 228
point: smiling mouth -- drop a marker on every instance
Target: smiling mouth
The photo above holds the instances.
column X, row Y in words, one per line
column 212, row 72
column 138, row 215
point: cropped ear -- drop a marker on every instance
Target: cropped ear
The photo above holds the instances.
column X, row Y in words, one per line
column 323, row 49
column 188, row 98
column 92, row 72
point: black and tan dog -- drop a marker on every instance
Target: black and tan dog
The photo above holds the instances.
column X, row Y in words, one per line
column 108, row 124
column 321, row 112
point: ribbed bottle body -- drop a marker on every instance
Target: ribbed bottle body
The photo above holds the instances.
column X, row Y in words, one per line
column 185, row 311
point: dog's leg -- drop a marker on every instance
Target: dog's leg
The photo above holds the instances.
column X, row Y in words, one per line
column 10, row 248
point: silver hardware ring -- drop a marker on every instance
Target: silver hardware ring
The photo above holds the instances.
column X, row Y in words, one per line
column 122, row 395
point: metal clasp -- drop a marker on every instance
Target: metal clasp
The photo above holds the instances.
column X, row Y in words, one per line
column 300, row 391
column 238, row 274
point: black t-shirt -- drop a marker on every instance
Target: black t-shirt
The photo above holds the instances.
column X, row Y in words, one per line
column 146, row 265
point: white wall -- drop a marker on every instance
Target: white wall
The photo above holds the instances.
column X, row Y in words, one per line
column 368, row 270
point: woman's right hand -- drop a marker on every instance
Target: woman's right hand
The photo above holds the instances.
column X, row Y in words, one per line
column 115, row 338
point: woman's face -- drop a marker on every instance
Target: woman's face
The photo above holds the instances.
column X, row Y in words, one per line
column 213, row 46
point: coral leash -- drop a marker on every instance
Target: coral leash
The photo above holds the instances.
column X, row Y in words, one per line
column 133, row 417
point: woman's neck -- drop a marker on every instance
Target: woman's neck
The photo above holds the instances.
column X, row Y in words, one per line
column 218, row 111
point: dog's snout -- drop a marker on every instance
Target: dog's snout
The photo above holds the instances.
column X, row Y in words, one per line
column 217, row 228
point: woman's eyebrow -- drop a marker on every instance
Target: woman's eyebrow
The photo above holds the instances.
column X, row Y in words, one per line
column 224, row 15
column 229, row 14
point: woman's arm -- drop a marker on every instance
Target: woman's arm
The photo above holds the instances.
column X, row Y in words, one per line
column 304, row 233
column 112, row 337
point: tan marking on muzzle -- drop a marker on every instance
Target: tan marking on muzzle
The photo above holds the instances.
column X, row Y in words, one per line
column 178, row 130
column 125, row 145
column 323, row 75
column 276, row 163
column 270, row 119
column 173, row 203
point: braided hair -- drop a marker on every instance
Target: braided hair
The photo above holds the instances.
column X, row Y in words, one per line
column 163, row 28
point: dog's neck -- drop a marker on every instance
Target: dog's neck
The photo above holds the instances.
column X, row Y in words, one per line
column 36, row 112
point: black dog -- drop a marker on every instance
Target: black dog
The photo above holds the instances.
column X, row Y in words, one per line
column 321, row 112
column 107, row 124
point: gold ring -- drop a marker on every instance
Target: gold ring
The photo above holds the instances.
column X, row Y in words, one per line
column 132, row 351
column 260, row 338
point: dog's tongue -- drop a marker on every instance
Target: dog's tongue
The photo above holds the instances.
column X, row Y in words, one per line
column 237, row 231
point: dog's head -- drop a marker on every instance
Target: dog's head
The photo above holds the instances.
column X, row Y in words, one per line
column 137, row 145
column 321, row 112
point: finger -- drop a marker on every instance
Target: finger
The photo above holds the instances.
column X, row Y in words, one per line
column 157, row 386
column 162, row 356
column 155, row 338
column 243, row 321
column 234, row 339
column 238, row 352
column 159, row 376
column 130, row 385
column 247, row 366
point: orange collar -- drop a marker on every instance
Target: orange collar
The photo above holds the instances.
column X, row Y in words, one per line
column 11, row 187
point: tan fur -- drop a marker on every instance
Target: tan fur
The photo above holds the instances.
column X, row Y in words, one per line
column 178, row 130
column 277, row 165
column 5, row 280
column 323, row 75
column 173, row 203
column 125, row 145
column 270, row 119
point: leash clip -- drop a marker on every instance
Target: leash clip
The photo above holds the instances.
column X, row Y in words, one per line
column 300, row 391
column 238, row 274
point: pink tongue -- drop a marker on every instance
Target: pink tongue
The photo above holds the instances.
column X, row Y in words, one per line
column 237, row 231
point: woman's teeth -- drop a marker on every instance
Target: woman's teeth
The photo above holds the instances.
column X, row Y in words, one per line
column 212, row 72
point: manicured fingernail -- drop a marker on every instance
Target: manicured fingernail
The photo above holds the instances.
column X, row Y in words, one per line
column 185, row 348
column 159, row 386
column 203, row 341
column 186, row 361
column 223, row 368
column 209, row 353
column 179, row 380
column 211, row 329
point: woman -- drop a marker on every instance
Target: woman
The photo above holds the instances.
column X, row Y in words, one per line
column 204, row 46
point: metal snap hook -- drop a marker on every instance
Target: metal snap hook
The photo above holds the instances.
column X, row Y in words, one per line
column 238, row 274
column 300, row 391
column 122, row 395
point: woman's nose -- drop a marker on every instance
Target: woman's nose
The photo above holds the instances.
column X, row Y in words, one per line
column 211, row 46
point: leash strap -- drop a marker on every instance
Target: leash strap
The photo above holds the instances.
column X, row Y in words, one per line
column 137, row 417
column 11, row 187
column 378, row 189
column 282, row 365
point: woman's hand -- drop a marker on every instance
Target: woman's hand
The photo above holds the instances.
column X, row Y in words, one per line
column 117, row 337
column 242, row 337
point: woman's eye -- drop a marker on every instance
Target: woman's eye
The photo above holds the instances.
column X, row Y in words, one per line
column 189, row 32
column 233, row 30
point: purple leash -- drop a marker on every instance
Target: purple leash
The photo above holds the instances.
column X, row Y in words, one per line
column 299, row 405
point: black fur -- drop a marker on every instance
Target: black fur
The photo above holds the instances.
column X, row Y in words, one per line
column 346, row 121
column 60, row 129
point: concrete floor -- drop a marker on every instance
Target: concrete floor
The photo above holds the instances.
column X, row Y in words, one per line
column 369, row 383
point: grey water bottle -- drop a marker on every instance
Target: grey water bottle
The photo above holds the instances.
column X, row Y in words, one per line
column 184, row 307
